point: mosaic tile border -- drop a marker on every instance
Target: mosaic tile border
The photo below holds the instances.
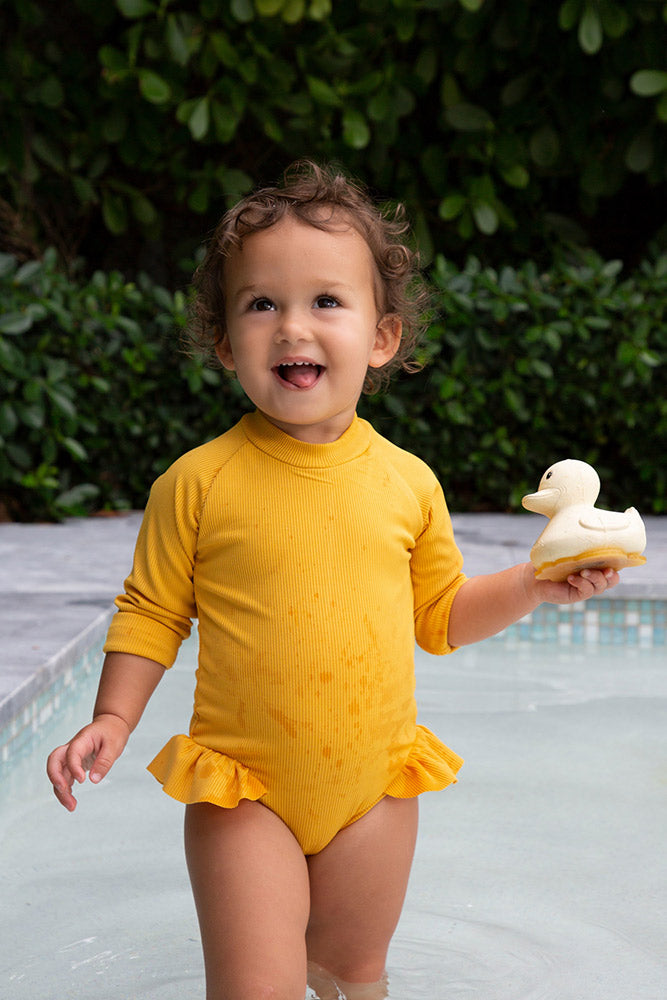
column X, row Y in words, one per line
column 17, row 736
column 34, row 705
column 603, row 622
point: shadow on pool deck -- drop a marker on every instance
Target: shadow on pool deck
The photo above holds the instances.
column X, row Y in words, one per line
column 57, row 580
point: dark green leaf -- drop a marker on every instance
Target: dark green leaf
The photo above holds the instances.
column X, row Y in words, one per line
column 32, row 416
column 468, row 117
column 545, row 146
column 322, row 92
column 77, row 496
column 8, row 419
column 75, row 448
column 242, row 10
column 135, row 8
column 268, row 8
column 14, row 323
column 177, row 41
column 356, row 132
column 648, row 82
column 293, row 11
column 28, row 272
column 568, row 14
column 452, row 206
column 153, row 87
column 318, row 10
column 590, row 30
column 199, row 119
column 8, row 265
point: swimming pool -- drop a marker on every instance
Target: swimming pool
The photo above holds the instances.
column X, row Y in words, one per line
column 540, row 876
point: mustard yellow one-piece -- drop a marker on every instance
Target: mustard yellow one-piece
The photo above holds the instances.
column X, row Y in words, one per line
column 311, row 569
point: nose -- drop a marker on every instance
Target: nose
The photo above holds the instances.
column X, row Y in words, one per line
column 293, row 327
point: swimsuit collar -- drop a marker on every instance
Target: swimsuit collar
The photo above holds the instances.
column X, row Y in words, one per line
column 283, row 447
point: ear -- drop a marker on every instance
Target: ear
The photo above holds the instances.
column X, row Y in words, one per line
column 223, row 349
column 387, row 338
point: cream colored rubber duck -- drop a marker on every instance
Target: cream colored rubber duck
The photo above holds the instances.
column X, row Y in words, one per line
column 578, row 535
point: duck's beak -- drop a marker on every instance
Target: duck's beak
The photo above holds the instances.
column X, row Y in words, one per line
column 542, row 502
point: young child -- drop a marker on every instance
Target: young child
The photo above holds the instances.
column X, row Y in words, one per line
column 313, row 552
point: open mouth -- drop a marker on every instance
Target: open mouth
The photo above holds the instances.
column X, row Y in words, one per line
column 300, row 374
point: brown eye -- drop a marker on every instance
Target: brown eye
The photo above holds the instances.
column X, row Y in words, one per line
column 261, row 305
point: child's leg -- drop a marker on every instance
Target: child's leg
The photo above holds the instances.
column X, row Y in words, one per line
column 357, row 887
column 328, row 988
column 250, row 883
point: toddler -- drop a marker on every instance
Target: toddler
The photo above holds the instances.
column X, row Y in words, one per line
column 314, row 553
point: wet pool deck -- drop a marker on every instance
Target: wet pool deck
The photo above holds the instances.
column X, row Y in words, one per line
column 58, row 582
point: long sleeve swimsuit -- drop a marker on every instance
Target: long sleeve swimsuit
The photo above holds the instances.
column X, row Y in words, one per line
column 312, row 568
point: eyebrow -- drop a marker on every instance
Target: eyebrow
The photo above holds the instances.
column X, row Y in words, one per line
column 255, row 287
column 244, row 290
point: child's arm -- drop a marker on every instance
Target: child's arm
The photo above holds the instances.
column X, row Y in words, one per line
column 126, row 684
column 485, row 605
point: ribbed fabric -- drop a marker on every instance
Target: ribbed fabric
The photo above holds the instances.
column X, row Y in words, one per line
column 311, row 569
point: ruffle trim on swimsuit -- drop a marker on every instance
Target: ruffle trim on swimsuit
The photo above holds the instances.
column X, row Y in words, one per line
column 190, row 772
column 430, row 766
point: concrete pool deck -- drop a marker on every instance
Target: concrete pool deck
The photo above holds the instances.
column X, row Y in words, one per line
column 58, row 582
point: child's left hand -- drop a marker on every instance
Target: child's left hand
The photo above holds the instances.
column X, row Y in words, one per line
column 577, row 587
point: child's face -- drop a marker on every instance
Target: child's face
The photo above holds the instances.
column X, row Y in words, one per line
column 303, row 326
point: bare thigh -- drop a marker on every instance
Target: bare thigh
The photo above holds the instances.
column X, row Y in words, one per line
column 250, row 883
column 357, row 888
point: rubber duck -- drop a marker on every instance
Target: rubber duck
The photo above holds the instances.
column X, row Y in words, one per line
column 579, row 535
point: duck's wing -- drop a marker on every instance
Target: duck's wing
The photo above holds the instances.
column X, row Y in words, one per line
column 608, row 520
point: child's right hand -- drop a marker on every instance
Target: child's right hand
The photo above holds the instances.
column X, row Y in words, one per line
column 95, row 748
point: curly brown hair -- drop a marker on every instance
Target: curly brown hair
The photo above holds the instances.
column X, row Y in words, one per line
column 318, row 196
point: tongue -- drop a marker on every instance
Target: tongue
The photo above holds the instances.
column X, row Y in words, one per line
column 303, row 376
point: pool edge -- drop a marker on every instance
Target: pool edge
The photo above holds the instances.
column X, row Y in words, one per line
column 20, row 709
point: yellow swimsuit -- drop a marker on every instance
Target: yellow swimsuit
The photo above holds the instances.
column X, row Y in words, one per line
column 311, row 569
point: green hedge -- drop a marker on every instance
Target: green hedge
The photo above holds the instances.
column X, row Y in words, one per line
column 97, row 397
column 527, row 368
column 522, row 368
column 125, row 123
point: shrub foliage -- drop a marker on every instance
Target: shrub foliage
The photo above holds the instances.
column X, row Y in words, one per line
column 529, row 367
column 124, row 123
column 523, row 367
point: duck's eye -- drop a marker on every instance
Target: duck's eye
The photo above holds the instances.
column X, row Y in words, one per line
column 548, row 475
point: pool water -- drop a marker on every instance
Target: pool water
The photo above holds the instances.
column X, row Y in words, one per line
column 541, row 875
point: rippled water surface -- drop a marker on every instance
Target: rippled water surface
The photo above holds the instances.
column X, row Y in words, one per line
column 540, row 876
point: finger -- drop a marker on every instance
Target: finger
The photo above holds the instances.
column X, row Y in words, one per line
column 61, row 779
column 74, row 762
column 582, row 585
column 57, row 768
column 597, row 578
column 592, row 581
column 54, row 764
column 593, row 578
column 65, row 797
column 103, row 762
